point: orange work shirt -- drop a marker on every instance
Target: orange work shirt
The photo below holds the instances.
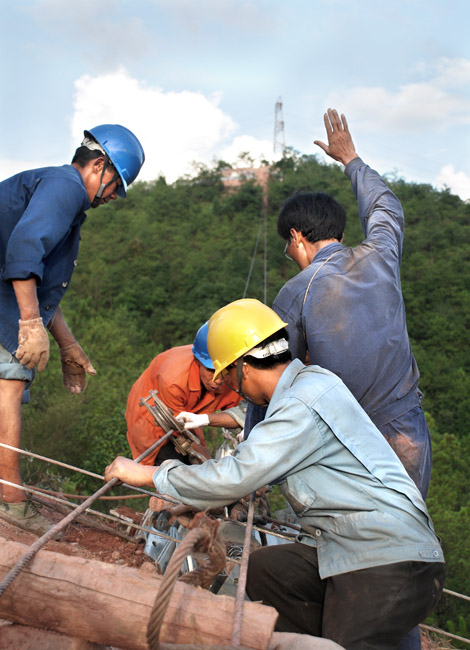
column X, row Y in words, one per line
column 175, row 375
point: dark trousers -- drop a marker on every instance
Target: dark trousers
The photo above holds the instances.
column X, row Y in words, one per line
column 368, row 609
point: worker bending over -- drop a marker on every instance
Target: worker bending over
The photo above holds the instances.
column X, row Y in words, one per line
column 183, row 378
column 41, row 214
column 367, row 566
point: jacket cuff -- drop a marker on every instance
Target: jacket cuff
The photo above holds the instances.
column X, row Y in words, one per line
column 353, row 165
column 18, row 271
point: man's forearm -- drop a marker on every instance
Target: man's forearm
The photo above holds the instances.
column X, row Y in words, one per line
column 222, row 420
column 26, row 297
column 60, row 330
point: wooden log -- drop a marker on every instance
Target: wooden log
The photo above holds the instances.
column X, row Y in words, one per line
column 24, row 637
column 110, row 604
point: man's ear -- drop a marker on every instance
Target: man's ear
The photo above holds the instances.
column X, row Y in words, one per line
column 294, row 234
column 98, row 164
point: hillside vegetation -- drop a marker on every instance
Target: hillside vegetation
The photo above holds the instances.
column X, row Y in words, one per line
column 154, row 267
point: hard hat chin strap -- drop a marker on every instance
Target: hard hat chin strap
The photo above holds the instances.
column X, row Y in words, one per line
column 97, row 200
column 240, row 364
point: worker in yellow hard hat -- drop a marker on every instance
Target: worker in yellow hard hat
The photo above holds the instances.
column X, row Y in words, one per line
column 367, row 566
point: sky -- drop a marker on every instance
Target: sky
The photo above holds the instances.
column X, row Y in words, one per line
column 197, row 81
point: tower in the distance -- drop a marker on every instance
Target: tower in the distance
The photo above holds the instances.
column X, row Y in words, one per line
column 279, row 139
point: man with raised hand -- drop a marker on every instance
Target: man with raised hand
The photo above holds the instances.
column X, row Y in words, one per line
column 345, row 309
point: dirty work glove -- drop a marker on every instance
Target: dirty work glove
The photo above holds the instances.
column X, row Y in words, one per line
column 75, row 364
column 193, row 420
column 33, row 344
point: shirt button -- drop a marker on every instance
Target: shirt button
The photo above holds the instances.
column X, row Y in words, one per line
column 65, row 284
column 435, row 554
column 75, row 262
column 318, row 533
column 47, row 307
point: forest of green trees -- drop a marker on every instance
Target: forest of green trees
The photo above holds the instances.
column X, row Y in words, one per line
column 154, row 267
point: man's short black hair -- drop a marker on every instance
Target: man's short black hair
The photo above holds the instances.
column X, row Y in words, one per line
column 275, row 359
column 315, row 214
column 83, row 155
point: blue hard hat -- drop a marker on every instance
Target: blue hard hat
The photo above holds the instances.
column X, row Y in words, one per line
column 123, row 149
column 200, row 350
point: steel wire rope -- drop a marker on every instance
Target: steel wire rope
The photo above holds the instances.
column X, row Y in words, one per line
column 240, row 597
column 233, row 560
column 52, row 532
column 437, row 630
column 255, row 252
column 72, row 467
column 82, row 497
column 265, row 242
column 103, row 515
column 203, row 537
column 149, row 493
column 140, row 490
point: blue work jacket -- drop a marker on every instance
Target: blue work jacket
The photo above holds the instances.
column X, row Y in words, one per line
column 353, row 320
column 41, row 213
column 355, row 501
column 346, row 308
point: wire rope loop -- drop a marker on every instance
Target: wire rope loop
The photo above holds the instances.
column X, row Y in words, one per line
column 204, row 537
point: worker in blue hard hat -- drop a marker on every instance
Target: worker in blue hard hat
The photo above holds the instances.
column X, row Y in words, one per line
column 183, row 378
column 41, row 214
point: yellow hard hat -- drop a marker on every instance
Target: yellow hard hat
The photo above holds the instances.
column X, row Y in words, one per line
column 237, row 328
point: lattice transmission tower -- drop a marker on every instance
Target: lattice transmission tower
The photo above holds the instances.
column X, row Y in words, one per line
column 279, row 139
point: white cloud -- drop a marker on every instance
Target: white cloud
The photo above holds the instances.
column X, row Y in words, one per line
column 258, row 150
column 439, row 102
column 176, row 129
column 457, row 182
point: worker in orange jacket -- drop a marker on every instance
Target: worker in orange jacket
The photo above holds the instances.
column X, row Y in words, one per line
column 183, row 378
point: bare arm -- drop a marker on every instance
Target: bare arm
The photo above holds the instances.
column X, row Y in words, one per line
column 26, row 297
column 340, row 145
column 60, row 330
column 222, row 419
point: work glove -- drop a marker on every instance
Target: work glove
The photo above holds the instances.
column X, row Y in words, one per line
column 193, row 420
column 75, row 365
column 33, row 344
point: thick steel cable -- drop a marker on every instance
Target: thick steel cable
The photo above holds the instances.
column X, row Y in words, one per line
column 255, row 251
column 50, row 460
column 52, row 532
column 148, row 493
column 103, row 515
column 82, row 497
column 75, row 469
column 437, row 630
column 454, row 593
column 166, row 586
column 143, row 528
column 204, row 539
column 240, row 597
column 132, row 487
